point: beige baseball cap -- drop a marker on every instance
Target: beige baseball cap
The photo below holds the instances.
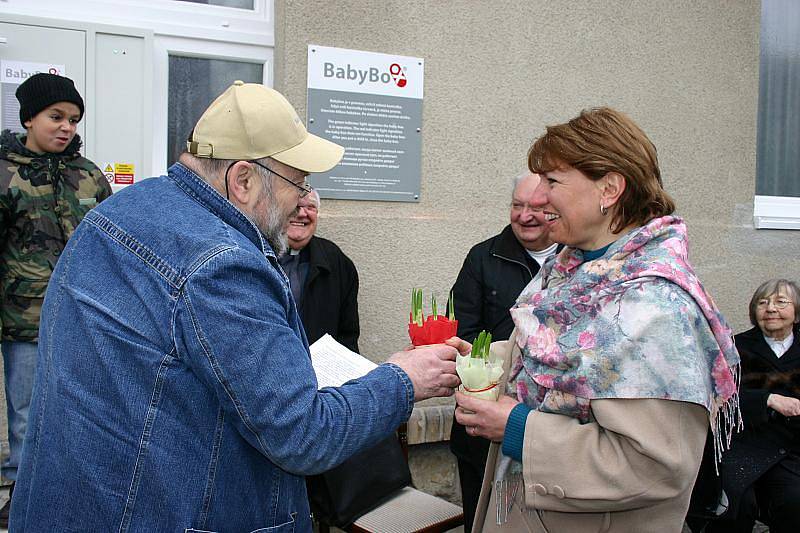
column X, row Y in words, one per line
column 251, row 121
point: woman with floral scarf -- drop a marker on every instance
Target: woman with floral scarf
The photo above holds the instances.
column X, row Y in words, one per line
column 620, row 363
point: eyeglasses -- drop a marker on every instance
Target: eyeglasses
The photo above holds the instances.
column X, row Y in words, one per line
column 518, row 207
column 311, row 208
column 305, row 188
column 780, row 303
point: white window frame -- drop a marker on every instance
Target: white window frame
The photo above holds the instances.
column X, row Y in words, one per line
column 163, row 17
column 166, row 46
column 776, row 212
column 180, row 28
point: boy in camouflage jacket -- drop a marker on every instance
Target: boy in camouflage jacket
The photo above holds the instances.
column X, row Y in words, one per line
column 46, row 188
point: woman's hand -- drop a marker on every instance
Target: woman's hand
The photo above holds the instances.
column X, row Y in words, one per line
column 463, row 347
column 484, row 418
column 785, row 405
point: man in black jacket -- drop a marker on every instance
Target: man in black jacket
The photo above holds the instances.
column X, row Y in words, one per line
column 324, row 280
column 494, row 273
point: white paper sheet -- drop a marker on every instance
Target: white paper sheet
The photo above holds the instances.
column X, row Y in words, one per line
column 335, row 364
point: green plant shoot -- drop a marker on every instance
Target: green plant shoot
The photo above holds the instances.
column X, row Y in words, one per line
column 480, row 348
column 416, row 306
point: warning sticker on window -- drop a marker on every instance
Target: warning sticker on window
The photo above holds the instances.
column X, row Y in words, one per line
column 123, row 173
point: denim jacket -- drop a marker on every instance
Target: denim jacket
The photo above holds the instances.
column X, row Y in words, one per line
column 174, row 390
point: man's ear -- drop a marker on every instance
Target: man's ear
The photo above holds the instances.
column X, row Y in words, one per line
column 613, row 185
column 27, row 124
column 242, row 182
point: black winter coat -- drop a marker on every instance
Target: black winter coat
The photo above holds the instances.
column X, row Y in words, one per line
column 330, row 295
column 768, row 436
column 494, row 273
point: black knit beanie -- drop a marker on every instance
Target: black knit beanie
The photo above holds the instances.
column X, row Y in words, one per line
column 43, row 90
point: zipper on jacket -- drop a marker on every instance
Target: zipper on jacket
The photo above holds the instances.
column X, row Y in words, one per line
column 514, row 261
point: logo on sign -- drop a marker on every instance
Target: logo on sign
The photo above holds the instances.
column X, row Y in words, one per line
column 397, row 73
column 18, row 71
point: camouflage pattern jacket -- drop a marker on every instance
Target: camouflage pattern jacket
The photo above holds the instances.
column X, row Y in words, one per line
column 43, row 198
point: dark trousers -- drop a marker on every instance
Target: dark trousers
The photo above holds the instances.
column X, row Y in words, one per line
column 774, row 498
column 471, row 454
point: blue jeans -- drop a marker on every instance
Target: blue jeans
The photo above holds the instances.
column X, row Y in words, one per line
column 19, row 364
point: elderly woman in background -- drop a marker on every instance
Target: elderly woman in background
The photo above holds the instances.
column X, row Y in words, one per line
column 761, row 472
column 618, row 363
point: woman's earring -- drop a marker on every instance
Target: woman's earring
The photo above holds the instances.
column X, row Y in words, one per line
column 603, row 210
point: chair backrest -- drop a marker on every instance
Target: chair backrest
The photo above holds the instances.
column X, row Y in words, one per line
column 407, row 510
column 359, row 484
column 410, row 510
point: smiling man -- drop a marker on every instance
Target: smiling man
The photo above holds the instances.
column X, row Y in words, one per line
column 175, row 390
column 493, row 275
column 324, row 280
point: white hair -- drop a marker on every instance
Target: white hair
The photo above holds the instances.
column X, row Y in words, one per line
column 517, row 179
column 314, row 196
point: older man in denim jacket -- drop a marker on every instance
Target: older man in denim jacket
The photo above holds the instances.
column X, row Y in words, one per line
column 174, row 390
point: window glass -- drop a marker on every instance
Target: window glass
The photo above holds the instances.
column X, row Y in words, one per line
column 778, row 152
column 241, row 4
column 193, row 84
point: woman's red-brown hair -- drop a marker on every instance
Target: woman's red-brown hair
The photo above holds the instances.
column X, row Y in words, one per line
column 603, row 140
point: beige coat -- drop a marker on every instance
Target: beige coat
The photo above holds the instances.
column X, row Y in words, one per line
column 630, row 470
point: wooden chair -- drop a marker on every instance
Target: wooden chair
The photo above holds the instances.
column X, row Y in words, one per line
column 407, row 511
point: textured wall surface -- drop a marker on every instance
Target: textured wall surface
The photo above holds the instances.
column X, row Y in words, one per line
column 495, row 74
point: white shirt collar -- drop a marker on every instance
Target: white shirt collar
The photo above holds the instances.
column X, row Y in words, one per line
column 780, row 347
column 540, row 256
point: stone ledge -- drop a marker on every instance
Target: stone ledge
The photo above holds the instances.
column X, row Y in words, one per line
column 430, row 423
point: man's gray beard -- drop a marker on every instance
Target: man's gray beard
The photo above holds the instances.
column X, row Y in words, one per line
column 272, row 226
column 274, row 230
column 280, row 244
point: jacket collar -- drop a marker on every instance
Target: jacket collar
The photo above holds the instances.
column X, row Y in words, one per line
column 317, row 256
column 12, row 148
column 758, row 345
column 793, row 353
column 506, row 246
column 208, row 197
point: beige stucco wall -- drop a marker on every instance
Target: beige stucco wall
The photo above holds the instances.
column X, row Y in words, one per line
column 495, row 74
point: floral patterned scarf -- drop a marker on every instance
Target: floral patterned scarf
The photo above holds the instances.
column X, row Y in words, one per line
column 634, row 323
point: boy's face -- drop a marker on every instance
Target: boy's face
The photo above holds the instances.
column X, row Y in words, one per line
column 53, row 128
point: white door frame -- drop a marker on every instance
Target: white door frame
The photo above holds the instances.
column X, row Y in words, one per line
column 181, row 28
column 166, row 46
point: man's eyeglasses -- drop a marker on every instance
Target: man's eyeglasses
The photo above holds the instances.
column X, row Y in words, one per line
column 305, row 188
column 780, row 303
column 308, row 207
column 519, row 207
